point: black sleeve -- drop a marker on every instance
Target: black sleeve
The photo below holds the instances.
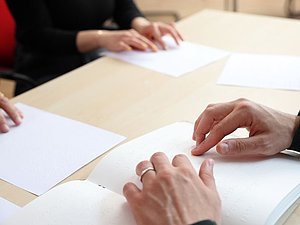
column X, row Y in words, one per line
column 125, row 12
column 205, row 222
column 35, row 28
column 296, row 140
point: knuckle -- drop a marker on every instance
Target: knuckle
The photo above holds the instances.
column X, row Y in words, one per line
column 218, row 130
column 180, row 156
column 157, row 155
column 240, row 147
column 187, row 173
column 4, row 101
column 166, row 177
column 141, row 166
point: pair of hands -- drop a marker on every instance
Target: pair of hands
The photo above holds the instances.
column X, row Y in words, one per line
column 174, row 194
column 144, row 35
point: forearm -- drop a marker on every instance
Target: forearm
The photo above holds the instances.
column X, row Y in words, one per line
column 87, row 41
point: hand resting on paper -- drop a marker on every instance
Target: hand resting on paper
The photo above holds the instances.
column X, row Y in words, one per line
column 154, row 31
column 14, row 113
column 173, row 193
column 270, row 131
column 143, row 36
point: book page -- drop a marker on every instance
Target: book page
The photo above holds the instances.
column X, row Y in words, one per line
column 7, row 210
column 76, row 203
column 176, row 60
column 47, row 148
column 250, row 188
column 262, row 71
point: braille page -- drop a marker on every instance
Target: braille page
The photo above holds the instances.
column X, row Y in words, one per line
column 7, row 210
column 262, row 71
column 75, row 203
column 175, row 61
column 46, row 148
column 250, row 189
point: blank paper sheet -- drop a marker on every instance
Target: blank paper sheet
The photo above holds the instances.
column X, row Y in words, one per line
column 176, row 60
column 262, row 71
column 47, row 148
column 7, row 210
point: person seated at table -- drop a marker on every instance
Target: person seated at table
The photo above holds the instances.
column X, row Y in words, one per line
column 13, row 112
column 54, row 36
column 174, row 194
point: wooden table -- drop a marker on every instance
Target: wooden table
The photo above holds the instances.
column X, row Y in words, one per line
column 132, row 101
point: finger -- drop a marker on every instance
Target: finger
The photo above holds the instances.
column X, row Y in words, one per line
column 149, row 175
column 218, row 131
column 179, row 35
column 4, row 128
column 204, row 126
column 11, row 110
column 182, row 160
column 206, row 173
column 148, row 43
column 170, row 30
column 131, row 192
column 20, row 113
column 124, row 47
column 160, row 162
column 157, row 36
column 196, row 126
column 255, row 145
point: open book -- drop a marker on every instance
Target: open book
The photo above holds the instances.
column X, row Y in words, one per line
column 254, row 191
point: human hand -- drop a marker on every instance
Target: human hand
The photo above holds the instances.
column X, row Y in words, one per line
column 124, row 40
column 174, row 194
column 154, row 31
column 270, row 131
column 14, row 113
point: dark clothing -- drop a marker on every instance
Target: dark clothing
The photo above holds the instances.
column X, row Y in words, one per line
column 205, row 222
column 296, row 140
column 47, row 29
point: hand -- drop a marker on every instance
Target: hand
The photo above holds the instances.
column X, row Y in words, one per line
column 11, row 111
column 270, row 131
column 127, row 40
column 174, row 194
column 154, row 31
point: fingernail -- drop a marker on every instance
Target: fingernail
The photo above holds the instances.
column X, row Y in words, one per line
column 194, row 150
column 224, row 148
column 4, row 128
column 18, row 120
column 210, row 164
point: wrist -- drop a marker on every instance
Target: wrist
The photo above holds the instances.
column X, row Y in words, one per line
column 88, row 40
column 295, row 145
column 139, row 24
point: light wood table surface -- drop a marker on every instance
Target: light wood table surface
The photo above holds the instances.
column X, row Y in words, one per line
column 131, row 101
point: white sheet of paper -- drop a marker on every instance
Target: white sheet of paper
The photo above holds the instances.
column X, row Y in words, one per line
column 248, row 187
column 176, row 61
column 262, row 71
column 7, row 210
column 47, row 148
column 75, row 203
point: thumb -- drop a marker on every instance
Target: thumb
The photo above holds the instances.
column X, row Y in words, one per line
column 206, row 173
column 241, row 146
